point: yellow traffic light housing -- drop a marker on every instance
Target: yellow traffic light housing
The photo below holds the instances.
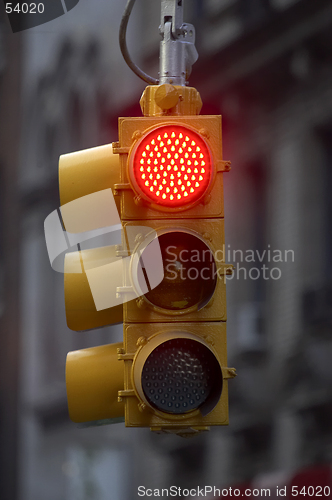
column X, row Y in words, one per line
column 81, row 174
column 174, row 349
column 93, row 378
column 166, row 175
column 165, row 279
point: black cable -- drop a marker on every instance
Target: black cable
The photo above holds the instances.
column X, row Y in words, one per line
column 124, row 49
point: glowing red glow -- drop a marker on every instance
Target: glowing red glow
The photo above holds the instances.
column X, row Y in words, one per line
column 172, row 166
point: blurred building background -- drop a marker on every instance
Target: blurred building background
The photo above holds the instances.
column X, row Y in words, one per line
column 265, row 65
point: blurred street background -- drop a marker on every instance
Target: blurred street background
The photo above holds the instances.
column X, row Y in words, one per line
column 266, row 67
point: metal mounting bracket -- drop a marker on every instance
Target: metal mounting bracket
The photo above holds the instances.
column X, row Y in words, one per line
column 177, row 48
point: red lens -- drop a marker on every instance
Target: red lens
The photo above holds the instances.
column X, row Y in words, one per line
column 172, row 166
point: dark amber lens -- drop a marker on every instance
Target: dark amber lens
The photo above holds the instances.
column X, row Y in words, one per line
column 189, row 273
column 181, row 375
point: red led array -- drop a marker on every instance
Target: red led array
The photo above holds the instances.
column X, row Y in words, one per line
column 172, row 166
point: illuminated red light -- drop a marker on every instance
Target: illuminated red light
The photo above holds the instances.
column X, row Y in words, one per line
column 171, row 166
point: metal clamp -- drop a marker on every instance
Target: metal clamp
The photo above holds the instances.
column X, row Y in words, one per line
column 177, row 48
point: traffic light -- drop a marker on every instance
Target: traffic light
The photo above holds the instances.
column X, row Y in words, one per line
column 175, row 335
column 142, row 238
column 166, row 173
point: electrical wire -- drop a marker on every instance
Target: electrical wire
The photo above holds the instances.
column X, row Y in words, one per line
column 124, row 48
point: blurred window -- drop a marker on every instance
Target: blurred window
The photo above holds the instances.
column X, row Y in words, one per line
column 251, row 323
column 252, row 11
column 2, row 294
column 253, row 445
column 215, row 7
column 252, row 265
column 317, row 299
column 326, row 141
column 256, row 179
column 282, row 4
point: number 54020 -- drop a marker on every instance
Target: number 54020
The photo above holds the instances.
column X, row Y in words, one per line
column 25, row 8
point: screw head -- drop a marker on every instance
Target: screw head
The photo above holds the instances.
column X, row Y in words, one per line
column 136, row 135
